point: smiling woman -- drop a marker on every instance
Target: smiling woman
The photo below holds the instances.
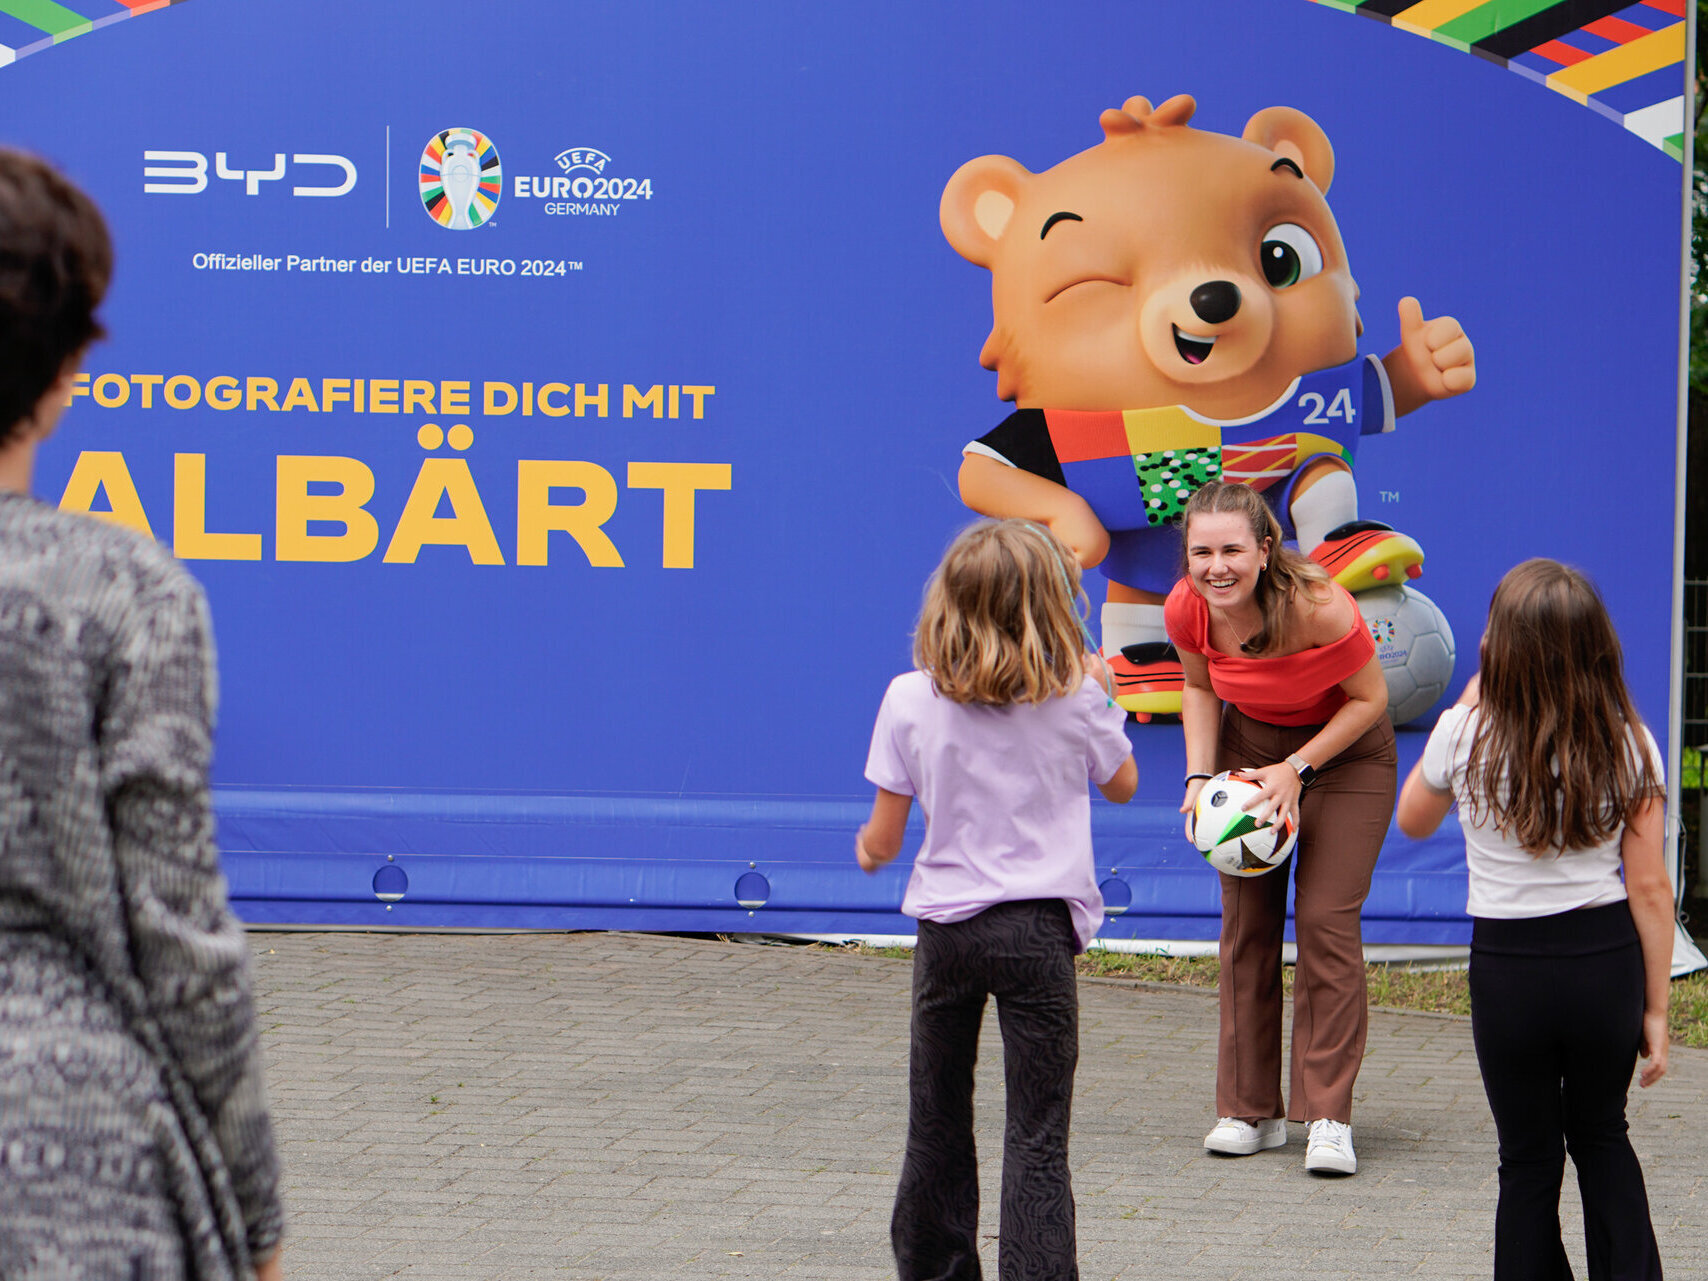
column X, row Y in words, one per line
column 1282, row 683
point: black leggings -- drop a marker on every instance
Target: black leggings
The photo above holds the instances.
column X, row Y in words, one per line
column 1022, row 953
column 1556, row 1012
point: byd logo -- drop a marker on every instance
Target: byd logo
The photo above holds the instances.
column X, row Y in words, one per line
column 185, row 173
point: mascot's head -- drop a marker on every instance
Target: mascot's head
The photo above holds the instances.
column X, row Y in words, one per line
column 1163, row 266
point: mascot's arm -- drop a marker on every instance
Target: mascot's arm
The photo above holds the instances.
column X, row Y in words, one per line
column 996, row 489
column 1433, row 361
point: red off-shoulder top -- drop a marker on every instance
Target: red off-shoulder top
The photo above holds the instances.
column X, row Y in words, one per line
column 1288, row 689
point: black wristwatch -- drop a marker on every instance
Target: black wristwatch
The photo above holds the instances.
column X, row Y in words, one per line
column 1306, row 771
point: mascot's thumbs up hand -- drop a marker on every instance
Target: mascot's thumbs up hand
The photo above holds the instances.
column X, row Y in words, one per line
column 1434, row 360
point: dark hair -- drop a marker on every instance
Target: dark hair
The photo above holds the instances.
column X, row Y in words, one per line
column 55, row 261
column 1001, row 623
column 1288, row 576
column 1552, row 760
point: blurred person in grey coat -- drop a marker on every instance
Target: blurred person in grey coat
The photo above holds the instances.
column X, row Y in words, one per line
column 134, row 1136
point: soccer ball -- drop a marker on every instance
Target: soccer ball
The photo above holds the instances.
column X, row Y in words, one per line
column 1414, row 645
column 1230, row 839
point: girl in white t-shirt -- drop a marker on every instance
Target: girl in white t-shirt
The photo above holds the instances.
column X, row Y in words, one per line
column 1559, row 790
column 995, row 735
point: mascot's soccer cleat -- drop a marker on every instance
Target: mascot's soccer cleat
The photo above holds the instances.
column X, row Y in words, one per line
column 1366, row 553
column 1148, row 679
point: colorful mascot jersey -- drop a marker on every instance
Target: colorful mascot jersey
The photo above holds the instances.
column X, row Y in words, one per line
column 1137, row 467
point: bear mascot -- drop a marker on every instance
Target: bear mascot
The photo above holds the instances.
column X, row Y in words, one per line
column 1173, row 306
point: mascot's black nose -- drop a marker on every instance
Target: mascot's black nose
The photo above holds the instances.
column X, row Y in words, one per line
column 1216, row 302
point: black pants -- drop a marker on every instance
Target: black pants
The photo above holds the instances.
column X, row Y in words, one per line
column 1556, row 1012
column 1022, row 953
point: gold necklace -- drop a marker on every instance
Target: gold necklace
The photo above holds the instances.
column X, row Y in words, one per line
column 1245, row 640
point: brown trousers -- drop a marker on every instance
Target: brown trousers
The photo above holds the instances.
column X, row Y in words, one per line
column 1343, row 816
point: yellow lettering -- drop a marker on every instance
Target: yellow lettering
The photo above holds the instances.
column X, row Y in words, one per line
column 699, row 394
column 382, row 396
column 146, row 383
column 190, row 537
column 79, row 387
column 453, row 399
column 111, row 391
column 263, row 391
column 98, row 470
column 301, row 395
column 466, row 527
column 585, row 398
column 634, row 398
column 498, row 399
column 223, row 392
column 183, row 392
column 537, row 516
column 334, row 390
column 417, row 396
column 551, row 410
column 679, row 481
column 296, row 508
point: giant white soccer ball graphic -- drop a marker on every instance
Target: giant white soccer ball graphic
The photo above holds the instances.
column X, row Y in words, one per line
column 1414, row 644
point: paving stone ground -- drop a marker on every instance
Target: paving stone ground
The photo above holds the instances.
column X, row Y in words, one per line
column 625, row 1107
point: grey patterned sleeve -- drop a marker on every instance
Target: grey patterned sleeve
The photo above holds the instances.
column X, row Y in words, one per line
column 188, row 948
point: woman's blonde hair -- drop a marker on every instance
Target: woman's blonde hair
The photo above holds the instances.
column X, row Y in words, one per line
column 1552, row 760
column 1288, row 576
column 1001, row 621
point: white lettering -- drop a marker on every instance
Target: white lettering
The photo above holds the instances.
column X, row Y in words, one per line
column 336, row 162
column 253, row 178
column 186, row 172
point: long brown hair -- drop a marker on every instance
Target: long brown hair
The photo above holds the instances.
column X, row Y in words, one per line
column 1287, row 578
column 1001, row 622
column 1553, row 762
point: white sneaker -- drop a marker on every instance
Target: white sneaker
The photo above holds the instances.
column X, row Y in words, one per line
column 1329, row 1149
column 1233, row 1137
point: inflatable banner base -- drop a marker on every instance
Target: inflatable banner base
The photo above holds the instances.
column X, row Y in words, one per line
column 436, row 860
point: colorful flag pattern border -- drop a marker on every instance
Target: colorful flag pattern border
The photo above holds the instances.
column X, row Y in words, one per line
column 1624, row 60
column 29, row 26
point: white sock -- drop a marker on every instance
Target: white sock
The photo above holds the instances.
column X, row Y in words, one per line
column 1126, row 624
column 1331, row 501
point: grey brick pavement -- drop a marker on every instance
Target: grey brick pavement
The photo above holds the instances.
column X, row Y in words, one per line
column 622, row 1106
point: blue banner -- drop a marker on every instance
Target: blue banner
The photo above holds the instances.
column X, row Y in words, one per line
column 563, row 405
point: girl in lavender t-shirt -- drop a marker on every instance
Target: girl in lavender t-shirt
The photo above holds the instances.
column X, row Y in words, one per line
column 995, row 735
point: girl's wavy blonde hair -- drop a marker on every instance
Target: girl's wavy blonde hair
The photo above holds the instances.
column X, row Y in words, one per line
column 1001, row 620
column 1552, row 759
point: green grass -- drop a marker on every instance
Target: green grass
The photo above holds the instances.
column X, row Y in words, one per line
column 1400, row 987
column 1688, row 1010
column 860, row 949
column 1437, row 991
column 1185, row 971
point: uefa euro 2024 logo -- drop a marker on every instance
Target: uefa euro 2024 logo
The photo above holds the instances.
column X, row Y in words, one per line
column 461, row 179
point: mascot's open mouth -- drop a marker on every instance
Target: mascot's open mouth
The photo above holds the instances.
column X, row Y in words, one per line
column 1194, row 351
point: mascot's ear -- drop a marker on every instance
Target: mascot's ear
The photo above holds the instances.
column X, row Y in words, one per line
column 1295, row 135
column 978, row 203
